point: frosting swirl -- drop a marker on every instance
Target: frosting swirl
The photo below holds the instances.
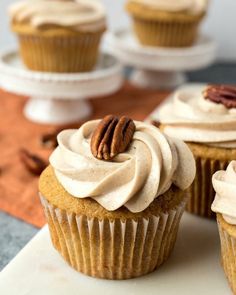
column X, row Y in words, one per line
column 78, row 15
column 190, row 6
column 192, row 118
column 224, row 183
column 132, row 179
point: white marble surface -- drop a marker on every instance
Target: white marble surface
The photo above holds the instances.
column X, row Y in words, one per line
column 193, row 268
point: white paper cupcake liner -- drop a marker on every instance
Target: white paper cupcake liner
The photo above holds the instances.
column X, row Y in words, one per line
column 228, row 256
column 201, row 191
column 66, row 54
column 166, row 33
column 113, row 249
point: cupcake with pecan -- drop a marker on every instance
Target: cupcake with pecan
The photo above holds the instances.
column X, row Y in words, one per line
column 58, row 35
column 224, row 183
column 206, row 120
column 167, row 23
column 113, row 196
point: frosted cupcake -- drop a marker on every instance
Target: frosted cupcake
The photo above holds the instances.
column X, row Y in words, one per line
column 113, row 196
column 224, row 205
column 206, row 120
column 58, row 35
column 168, row 23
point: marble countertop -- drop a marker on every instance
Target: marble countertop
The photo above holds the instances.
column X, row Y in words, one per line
column 14, row 234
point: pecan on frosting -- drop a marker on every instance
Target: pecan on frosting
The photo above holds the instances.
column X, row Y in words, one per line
column 112, row 136
column 224, row 94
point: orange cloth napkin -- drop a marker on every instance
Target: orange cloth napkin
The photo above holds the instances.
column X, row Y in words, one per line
column 18, row 187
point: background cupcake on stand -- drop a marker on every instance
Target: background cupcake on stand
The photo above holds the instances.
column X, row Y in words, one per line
column 59, row 63
column 164, row 42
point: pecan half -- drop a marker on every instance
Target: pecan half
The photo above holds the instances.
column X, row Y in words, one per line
column 49, row 140
column 224, row 94
column 112, row 136
column 156, row 123
column 32, row 162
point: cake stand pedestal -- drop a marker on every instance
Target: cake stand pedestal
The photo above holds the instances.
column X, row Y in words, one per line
column 157, row 80
column 159, row 67
column 59, row 98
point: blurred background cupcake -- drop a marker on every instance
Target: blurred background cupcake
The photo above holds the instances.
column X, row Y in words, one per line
column 114, row 196
column 224, row 205
column 205, row 119
column 58, row 36
column 167, row 23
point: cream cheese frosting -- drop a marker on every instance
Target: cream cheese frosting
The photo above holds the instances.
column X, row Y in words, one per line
column 132, row 179
column 224, row 183
column 192, row 118
column 79, row 15
column 191, row 6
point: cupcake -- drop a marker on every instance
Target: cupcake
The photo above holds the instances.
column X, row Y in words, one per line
column 113, row 196
column 224, row 205
column 58, row 35
column 206, row 120
column 167, row 23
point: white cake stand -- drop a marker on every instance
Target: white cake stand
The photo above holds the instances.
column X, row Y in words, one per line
column 159, row 67
column 59, row 98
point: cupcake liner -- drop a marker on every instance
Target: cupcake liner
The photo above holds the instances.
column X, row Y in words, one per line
column 201, row 191
column 175, row 33
column 228, row 255
column 65, row 54
column 113, row 249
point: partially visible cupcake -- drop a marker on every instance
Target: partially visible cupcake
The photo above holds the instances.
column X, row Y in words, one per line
column 167, row 23
column 58, row 35
column 224, row 205
column 114, row 195
column 206, row 120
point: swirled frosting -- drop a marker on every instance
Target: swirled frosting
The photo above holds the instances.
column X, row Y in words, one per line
column 132, row 179
column 79, row 15
column 191, row 6
column 224, row 183
column 192, row 118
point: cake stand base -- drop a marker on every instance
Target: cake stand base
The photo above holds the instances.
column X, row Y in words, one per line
column 160, row 67
column 56, row 111
column 157, row 80
column 59, row 98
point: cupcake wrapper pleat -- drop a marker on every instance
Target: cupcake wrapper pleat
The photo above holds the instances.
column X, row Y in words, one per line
column 201, row 191
column 228, row 256
column 113, row 249
column 166, row 33
column 66, row 54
